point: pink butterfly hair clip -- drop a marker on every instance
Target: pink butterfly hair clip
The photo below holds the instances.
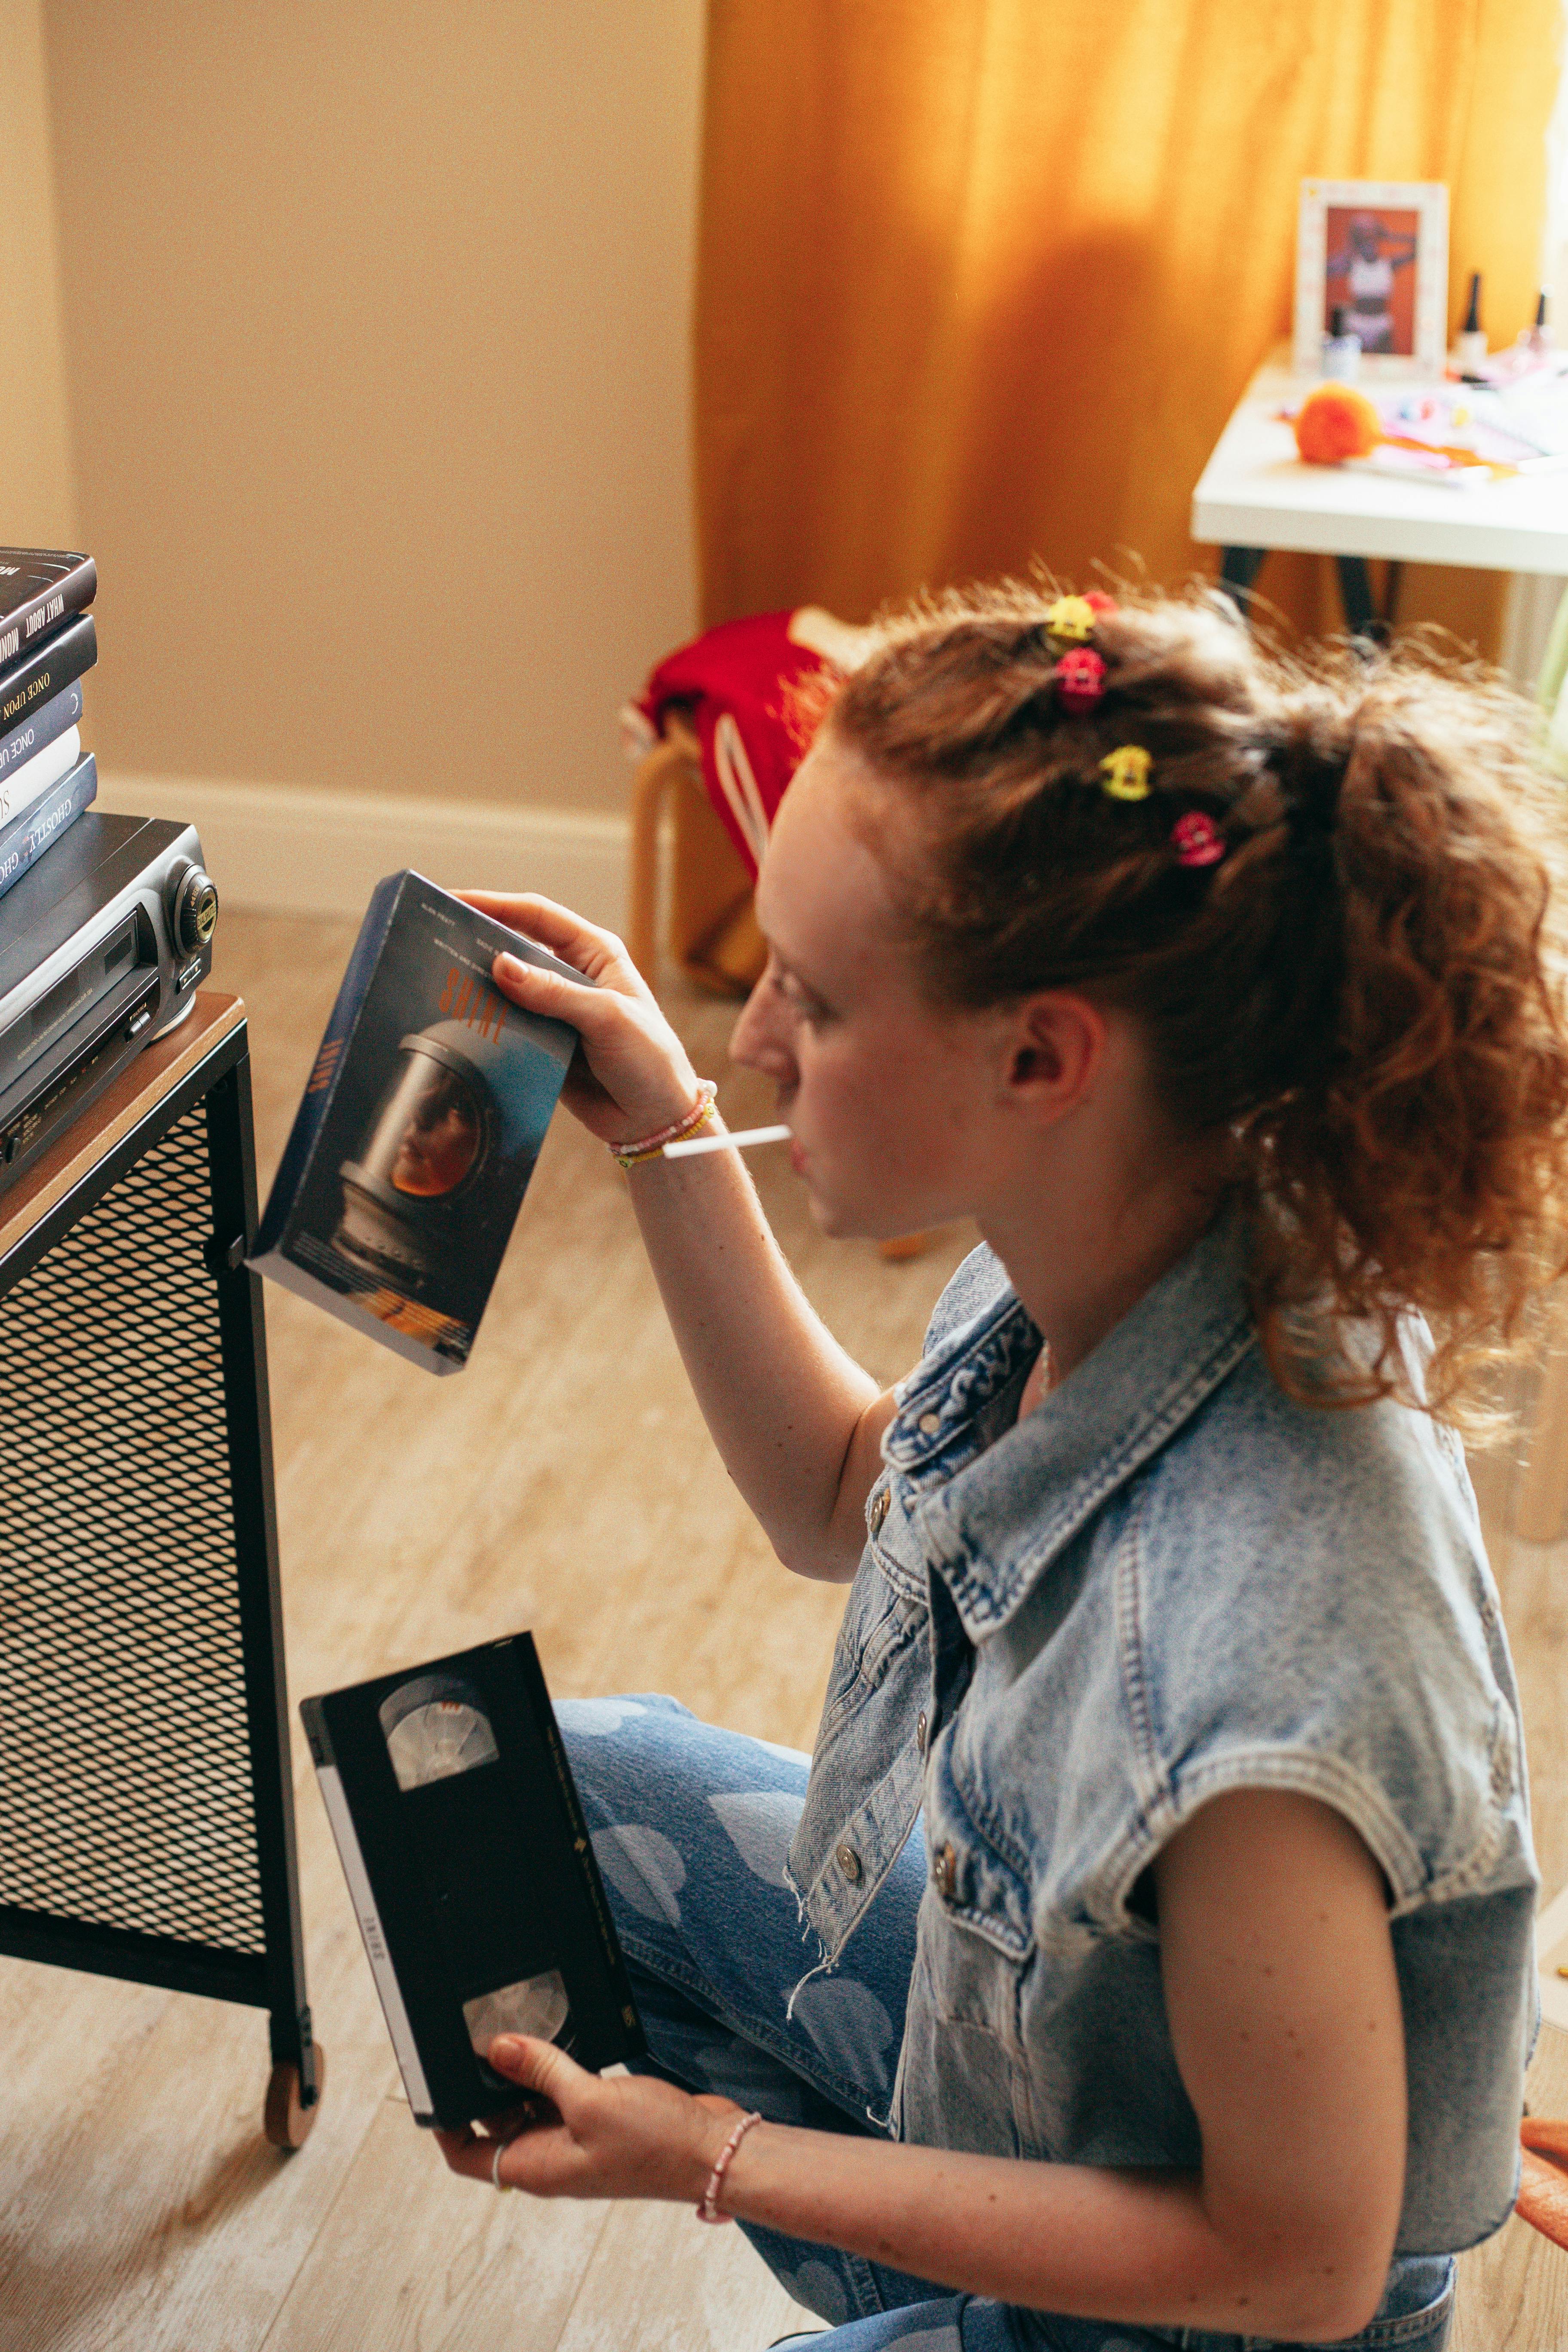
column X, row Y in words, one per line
column 1081, row 679
column 1197, row 840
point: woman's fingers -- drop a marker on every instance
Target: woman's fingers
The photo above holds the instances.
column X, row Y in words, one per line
column 633, row 1075
column 633, row 2137
column 540, row 2067
column 538, row 991
column 540, row 2149
column 594, row 951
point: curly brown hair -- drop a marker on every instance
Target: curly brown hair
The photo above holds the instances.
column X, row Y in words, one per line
column 1366, row 990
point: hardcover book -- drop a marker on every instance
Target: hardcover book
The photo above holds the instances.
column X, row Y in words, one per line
column 425, row 1109
column 40, row 588
column 36, row 678
column 41, row 728
column 473, row 1878
column 21, row 786
column 24, row 839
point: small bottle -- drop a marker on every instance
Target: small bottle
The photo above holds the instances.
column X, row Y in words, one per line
column 1540, row 337
column 1341, row 350
column 1470, row 342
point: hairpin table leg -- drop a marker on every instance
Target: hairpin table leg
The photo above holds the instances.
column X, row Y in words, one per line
column 1239, row 568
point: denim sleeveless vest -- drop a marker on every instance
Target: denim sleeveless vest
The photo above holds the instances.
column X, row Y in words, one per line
column 1065, row 1634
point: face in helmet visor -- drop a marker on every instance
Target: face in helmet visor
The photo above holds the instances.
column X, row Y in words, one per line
column 427, row 1133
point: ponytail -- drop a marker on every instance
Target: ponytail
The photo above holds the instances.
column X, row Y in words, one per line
column 1364, row 987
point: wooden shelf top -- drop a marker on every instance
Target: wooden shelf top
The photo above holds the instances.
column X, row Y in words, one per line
column 140, row 1086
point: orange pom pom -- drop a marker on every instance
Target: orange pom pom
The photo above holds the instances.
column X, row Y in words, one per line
column 1334, row 422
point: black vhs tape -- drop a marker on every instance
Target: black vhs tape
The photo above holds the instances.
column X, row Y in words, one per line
column 472, row 1874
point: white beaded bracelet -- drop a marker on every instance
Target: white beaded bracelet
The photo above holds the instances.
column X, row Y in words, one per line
column 708, row 2209
column 650, row 1147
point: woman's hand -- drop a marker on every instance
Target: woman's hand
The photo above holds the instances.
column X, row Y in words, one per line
column 579, row 2135
column 631, row 1075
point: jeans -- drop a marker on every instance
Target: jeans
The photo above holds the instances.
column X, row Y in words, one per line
column 691, row 1826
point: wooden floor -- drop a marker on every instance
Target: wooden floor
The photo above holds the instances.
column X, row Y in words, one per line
column 564, row 1483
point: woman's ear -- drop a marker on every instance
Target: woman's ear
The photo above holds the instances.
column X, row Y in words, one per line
column 1054, row 1054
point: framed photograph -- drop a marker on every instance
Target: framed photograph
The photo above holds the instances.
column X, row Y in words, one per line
column 1377, row 250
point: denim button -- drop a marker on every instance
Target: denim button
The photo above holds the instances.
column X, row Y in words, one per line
column 929, row 1422
column 849, row 1863
column 944, row 1871
column 879, row 1512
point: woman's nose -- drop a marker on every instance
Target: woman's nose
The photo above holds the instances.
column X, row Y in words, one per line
column 758, row 1040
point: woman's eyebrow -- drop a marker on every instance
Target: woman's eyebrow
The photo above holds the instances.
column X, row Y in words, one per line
column 793, row 971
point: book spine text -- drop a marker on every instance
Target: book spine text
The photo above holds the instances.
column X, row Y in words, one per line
column 42, row 674
column 33, row 834
column 43, row 727
column 36, row 774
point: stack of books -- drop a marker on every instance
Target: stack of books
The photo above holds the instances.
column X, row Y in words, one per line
column 48, row 642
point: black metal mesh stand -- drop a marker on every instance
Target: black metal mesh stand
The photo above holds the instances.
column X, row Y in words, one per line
column 146, row 1808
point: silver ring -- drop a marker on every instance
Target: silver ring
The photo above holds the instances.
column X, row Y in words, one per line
column 501, row 2146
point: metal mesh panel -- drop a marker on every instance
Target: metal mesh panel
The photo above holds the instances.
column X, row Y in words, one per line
column 124, row 1778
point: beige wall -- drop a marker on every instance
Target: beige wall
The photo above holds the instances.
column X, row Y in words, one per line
column 376, row 324
column 37, row 496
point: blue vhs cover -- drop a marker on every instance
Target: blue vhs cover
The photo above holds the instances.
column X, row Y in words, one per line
column 424, row 1116
column 23, row 841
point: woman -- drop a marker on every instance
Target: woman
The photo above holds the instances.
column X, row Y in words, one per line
column 1367, row 267
column 1195, row 2009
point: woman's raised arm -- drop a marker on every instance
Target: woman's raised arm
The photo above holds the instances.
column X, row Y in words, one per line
column 797, row 1421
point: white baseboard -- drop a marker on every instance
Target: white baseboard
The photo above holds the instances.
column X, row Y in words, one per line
column 291, row 850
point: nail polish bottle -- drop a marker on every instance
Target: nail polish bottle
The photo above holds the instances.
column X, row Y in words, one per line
column 1470, row 342
column 1540, row 338
column 1341, row 348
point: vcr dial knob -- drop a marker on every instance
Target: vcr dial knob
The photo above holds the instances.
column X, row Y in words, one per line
column 193, row 911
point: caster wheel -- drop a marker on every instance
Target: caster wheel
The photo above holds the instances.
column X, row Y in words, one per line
column 285, row 2120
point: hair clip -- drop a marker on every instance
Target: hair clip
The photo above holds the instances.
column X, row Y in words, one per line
column 1072, row 619
column 1126, row 772
column 1197, row 840
column 1081, row 679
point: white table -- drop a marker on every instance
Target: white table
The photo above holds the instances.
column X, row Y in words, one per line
column 1256, row 494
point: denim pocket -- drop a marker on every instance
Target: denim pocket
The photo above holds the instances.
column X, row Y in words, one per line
column 879, row 1625
column 980, row 1886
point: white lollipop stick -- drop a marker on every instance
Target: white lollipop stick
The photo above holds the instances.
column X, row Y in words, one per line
column 741, row 1142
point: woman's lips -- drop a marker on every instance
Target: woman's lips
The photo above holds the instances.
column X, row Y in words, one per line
column 797, row 1156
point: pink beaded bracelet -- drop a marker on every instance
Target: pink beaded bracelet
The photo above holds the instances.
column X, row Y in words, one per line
column 648, row 1147
column 708, row 2209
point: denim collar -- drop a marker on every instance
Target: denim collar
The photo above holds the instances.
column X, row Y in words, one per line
column 994, row 1516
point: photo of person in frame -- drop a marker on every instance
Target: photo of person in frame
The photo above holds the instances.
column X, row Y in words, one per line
column 1370, row 273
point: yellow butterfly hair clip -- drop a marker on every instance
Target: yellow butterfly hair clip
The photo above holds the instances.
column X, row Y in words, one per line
column 1126, row 772
column 1071, row 619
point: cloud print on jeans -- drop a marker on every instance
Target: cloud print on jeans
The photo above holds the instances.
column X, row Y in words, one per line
column 596, row 1717
column 848, row 2025
column 645, row 1869
column 760, row 1828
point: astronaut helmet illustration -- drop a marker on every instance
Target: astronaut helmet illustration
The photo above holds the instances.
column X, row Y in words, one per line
column 443, row 1121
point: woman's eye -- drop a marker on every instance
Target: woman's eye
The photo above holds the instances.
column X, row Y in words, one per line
column 801, row 1004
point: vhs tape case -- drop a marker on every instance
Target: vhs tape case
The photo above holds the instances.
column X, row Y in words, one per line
column 425, row 1109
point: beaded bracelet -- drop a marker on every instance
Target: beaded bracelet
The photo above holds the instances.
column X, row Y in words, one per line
column 648, row 1147
column 708, row 2209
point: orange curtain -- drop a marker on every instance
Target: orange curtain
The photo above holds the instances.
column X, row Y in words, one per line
column 980, row 280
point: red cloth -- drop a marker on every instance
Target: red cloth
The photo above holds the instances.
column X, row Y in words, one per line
column 735, row 677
